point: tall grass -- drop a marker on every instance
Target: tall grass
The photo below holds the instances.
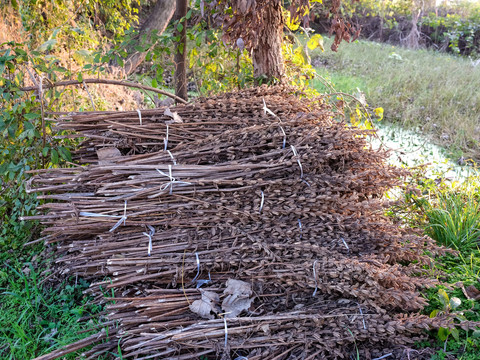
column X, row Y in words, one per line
column 453, row 219
column 435, row 92
column 449, row 212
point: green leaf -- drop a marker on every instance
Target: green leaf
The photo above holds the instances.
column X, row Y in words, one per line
column 83, row 56
column 80, row 77
column 5, row 56
column 64, row 153
column 443, row 334
column 28, row 126
column 20, row 52
column 55, row 32
column 434, row 313
column 47, row 45
column 78, row 31
column 54, row 156
column 189, row 14
column 179, row 27
column 31, row 116
column 443, row 297
column 455, row 333
column 154, row 83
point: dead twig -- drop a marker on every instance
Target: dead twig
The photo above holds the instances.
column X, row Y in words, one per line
column 108, row 82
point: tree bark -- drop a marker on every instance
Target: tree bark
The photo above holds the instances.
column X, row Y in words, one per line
column 181, row 51
column 157, row 20
column 267, row 54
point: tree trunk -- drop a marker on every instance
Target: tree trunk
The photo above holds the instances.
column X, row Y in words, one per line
column 157, row 20
column 267, row 54
column 181, row 51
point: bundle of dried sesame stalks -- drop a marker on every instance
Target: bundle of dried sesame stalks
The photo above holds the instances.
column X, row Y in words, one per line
column 249, row 225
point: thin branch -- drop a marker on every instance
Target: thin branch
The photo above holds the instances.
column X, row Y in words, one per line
column 106, row 81
column 90, row 96
column 44, row 131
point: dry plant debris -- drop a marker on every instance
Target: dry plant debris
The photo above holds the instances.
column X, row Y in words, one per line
column 251, row 227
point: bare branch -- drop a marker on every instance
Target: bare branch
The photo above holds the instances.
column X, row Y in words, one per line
column 105, row 81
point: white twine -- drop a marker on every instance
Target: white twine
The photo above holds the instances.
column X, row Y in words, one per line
column 173, row 159
column 262, row 201
column 165, row 141
column 198, row 268
column 284, row 137
column 122, row 218
column 200, row 283
column 363, row 317
column 226, row 331
column 300, row 226
column 149, row 235
column 298, row 161
column 172, row 180
column 344, row 243
column 267, row 110
column 139, row 116
column 315, row 278
column 383, row 357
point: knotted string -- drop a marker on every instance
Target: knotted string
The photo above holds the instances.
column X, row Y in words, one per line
column 149, row 235
column 172, row 180
column 122, row 218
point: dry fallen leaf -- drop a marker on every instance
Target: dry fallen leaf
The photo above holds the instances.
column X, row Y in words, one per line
column 107, row 155
column 238, row 298
column 26, row 270
column 472, row 292
column 206, row 305
column 176, row 118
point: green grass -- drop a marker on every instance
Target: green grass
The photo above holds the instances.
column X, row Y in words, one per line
column 435, row 92
column 36, row 319
column 464, row 269
column 449, row 212
column 454, row 220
